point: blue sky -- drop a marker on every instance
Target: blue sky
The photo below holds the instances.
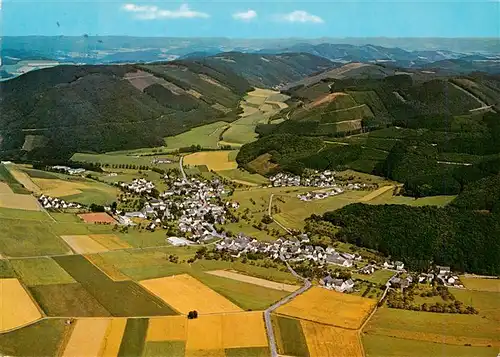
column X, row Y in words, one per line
column 253, row 19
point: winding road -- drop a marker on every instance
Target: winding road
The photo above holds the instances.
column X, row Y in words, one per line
column 181, row 166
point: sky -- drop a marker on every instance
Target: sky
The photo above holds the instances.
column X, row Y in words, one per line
column 252, row 19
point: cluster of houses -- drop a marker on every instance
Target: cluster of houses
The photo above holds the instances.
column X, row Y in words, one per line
column 161, row 161
column 337, row 284
column 443, row 275
column 316, row 179
column 48, row 202
column 138, row 186
column 68, row 170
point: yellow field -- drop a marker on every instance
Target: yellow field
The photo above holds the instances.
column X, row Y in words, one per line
column 9, row 199
column 221, row 331
column 16, row 307
column 107, row 268
column 83, row 244
column 110, row 241
column 481, row 284
column 376, row 193
column 215, row 160
column 171, row 328
column 205, row 353
column 5, row 189
column 113, row 337
column 184, row 293
column 87, row 338
column 59, row 188
column 329, row 307
column 25, row 180
column 245, row 329
column 325, row 340
column 252, row 280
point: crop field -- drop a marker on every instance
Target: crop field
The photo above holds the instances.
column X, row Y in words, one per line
column 125, row 159
column 134, row 337
column 248, row 352
column 290, row 337
column 171, row 328
column 18, row 239
column 480, row 284
column 110, row 241
column 6, row 270
column 99, row 217
column 207, row 136
column 294, row 211
column 244, row 177
column 452, row 329
column 184, row 293
column 164, row 348
column 113, row 337
column 384, row 346
column 329, row 307
column 13, row 213
column 86, row 338
column 9, row 199
column 323, row 340
column 40, row 271
column 24, row 179
column 43, row 338
column 123, row 298
column 214, row 160
column 7, row 178
column 82, row 244
column 253, row 280
column 16, row 307
column 67, row 300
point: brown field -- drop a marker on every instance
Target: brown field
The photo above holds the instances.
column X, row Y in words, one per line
column 329, row 307
column 376, row 193
column 113, row 337
column 245, row 329
column 325, row 340
column 9, row 199
column 171, row 328
column 87, row 338
column 16, row 306
column 110, row 241
column 252, row 280
column 106, row 267
column 97, row 218
column 215, row 160
column 481, row 284
column 184, row 293
column 25, row 180
column 83, row 244
column 326, row 99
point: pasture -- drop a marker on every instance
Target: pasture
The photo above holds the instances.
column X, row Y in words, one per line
column 243, row 177
column 184, row 293
column 323, row 340
column 23, row 214
column 481, row 284
column 214, row 160
column 207, row 136
column 380, row 276
column 385, row 346
column 329, row 307
column 16, row 307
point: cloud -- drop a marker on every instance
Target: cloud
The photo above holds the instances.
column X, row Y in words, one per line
column 245, row 16
column 301, row 16
column 146, row 12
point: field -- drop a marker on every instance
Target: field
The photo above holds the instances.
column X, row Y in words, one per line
column 214, row 160
column 294, row 211
column 110, row 241
column 7, row 178
column 17, row 308
column 325, row 340
column 18, row 239
column 252, row 280
column 207, row 136
column 171, row 328
column 82, row 244
column 452, row 329
column 8, row 199
column 43, row 338
column 480, row 284
column 329, row 307
column 243, row 177
column 376, row 193
column 134, row 337
column 13, row 213
column 290, row 338
column 122, row 298
column 390, row 199
column 384, row 346
column 380, row 276
column 113, row 337
column 97, row 218
column 124, row 159
column 40, row 271
column 185, row 293
column 86, row 338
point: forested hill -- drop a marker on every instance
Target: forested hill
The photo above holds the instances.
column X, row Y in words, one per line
column 57, row 111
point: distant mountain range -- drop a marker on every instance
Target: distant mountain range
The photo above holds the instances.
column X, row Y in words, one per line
column 19, row 53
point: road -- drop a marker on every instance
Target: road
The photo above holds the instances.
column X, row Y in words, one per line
column 181, row 166
column 267, row 313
